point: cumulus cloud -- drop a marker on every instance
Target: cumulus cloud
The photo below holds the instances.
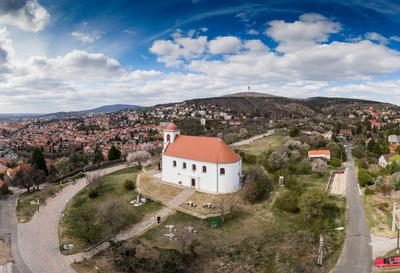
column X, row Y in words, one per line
column 28, row 15
column 373, row 36
column 213, row 67
column 309, row 30
column 253, row 32
column 173, row 52
column 77, row 66
column 86, row 37
column 6, row 52
column 144, row 74
column 225, row 45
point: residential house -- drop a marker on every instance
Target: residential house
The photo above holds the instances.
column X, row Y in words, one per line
column 384, row 160
column 323, row 154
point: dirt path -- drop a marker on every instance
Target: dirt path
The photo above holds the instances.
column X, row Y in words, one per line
column 250, row 140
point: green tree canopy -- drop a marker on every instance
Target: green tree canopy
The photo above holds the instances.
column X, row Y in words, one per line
column 97, row 156
column 114, row 153
column 38, row 161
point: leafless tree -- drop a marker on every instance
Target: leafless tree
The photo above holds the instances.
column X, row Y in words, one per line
column 319, row 165
column 139, row 157
column 225, row 204
column 27, row 177
column 386, row 189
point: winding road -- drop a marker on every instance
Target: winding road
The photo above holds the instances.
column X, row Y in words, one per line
column 357, row 253
column 8, row 225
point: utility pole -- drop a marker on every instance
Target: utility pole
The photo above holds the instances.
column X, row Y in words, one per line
column 398, row 237
column 320, row 250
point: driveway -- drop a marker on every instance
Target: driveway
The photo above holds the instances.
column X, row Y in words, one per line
column 8, row 225
column 38, row 239
column 253, row 138
column 357, row 254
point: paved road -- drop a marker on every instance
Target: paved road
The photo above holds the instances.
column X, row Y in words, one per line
column 39, row 245
column 357, row 253
column 8, row 224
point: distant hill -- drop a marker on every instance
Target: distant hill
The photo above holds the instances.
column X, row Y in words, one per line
column 111, row 108
column 274, row 107
column 249, row 94
column 102, row 109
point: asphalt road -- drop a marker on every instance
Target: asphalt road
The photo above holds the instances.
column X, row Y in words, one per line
column 357, row 253
column 8, row 225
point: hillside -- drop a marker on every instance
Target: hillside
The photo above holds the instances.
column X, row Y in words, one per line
column 282, row 107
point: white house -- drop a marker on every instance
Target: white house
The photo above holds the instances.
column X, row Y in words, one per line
column 204, row 163
column 394, row 139
column 384, row 160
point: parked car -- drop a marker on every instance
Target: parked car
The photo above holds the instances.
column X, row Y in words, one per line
column 387, row 262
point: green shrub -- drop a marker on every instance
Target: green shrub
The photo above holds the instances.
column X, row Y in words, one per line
column 365, row 178
column 257, row 184
column 288, row 201
column 383, row 206
column 129, row 185
column 293, row 184
column 93, row 193
column 250, row 158
column 363, row 163
column 359, row 153
column 335, row 162
column 397, row 185
column 294, row 131
column 170, row 261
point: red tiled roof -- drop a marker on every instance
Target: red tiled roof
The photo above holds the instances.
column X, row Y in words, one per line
column 207, row 149
column 345, row 132
column 319, row 152
column 171, row 127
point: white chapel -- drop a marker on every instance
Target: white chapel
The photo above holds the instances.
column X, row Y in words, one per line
column 204, row 163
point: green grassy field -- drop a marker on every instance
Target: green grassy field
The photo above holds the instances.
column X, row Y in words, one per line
column 266, row 143
column 112, row 196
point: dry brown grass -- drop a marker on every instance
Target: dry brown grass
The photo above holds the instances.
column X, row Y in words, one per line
column 153, row 187
column 201, row 198
column 378, row 211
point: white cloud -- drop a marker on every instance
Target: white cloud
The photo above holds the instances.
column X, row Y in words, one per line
column 77, row 66
column 308, row 31
column 395, row 38
column 173, row 52
column 373, row 36
column 144, row 74
column 81, row 79
column 86, row 37
column 327, row 62
column 225, row 45
column 255, row 45
column 253, row 32
column 28, row 15
column 7, row 53
column 387, row 90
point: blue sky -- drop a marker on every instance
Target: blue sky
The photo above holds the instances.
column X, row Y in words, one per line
column 69, row 54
